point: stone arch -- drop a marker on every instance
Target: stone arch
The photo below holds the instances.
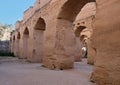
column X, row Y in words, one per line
column 82, row 37
column 14, row 38
column 10, row 39
column 79, row 43
column 18, row 35
column 13, row 44
column 26, row 31
column 79, row 30
column 66, row 42
column 25, row 42
column 38, row 50
column 71, row 8
column 40, row 24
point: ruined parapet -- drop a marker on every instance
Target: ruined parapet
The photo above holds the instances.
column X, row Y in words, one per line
column 18, row 24
column 32, row 9
column 28, row 13
column 40, row 3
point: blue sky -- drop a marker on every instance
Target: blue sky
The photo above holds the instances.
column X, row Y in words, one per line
column 12, row 10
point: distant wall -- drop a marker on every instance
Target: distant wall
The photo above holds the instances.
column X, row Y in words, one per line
column 4, row 46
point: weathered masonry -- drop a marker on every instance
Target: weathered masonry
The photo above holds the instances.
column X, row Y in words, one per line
column 51, row 33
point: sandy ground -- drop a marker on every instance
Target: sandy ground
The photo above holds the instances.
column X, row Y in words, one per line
column 19, row 72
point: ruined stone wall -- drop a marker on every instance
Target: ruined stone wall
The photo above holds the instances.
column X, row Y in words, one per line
column 87, row 32
column 33, row 9
column 85, row 18
column 44, row 2
column 59, row 42
column 106, row 41
column 18, row 24
column 28, row 13
column 59, row 39
column 49, row 34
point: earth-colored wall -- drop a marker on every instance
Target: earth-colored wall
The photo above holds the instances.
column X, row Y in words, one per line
column 59, row 40
column 106, row 41
column 87, row 22
column 60, row 43
column 51, row 36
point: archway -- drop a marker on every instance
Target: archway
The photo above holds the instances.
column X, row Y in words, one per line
column 79, row 43
column 79, row 30
column 18, row 36
column 66, row 43
column 25, row 42
column 10, row 47
column 38, row 51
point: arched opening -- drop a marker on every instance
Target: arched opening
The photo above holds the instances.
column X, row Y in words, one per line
column 26, row 32
column 18, row 45
column 25, row 42
column 82, row 38
column 84, row 46
column 40, row 24
column 18, row 35
column 71, row 8
column 79, row 30
column 66, row 42
column 38, row 50
column 13, row 38
column 85, row 18
column 79, row 42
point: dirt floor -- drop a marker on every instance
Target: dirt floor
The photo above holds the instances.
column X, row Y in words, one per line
column 19, row 72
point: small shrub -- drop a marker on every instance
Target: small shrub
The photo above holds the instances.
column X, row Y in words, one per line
column 7, row 54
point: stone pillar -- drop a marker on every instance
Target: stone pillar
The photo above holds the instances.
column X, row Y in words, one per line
column 12, row 46
column 38, row 49
column 16, row 47
column 106, row 40
column 78, row 51
column 21, row 48
column 25, row 46
column 63, row 55
column 65, row 45
column 91, row 53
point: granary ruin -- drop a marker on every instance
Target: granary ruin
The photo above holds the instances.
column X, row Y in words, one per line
column 53, row 32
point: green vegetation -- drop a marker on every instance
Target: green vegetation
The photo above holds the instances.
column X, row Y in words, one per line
column 6, row 54
column 5, row 28
column 5, row 31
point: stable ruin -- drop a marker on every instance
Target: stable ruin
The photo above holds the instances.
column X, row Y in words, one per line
column 52, row 34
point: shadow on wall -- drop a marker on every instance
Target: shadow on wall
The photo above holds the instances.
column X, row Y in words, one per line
column 4, row 48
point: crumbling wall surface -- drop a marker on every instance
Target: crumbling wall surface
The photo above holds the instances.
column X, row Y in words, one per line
column 65, row 44
column 106, row 41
